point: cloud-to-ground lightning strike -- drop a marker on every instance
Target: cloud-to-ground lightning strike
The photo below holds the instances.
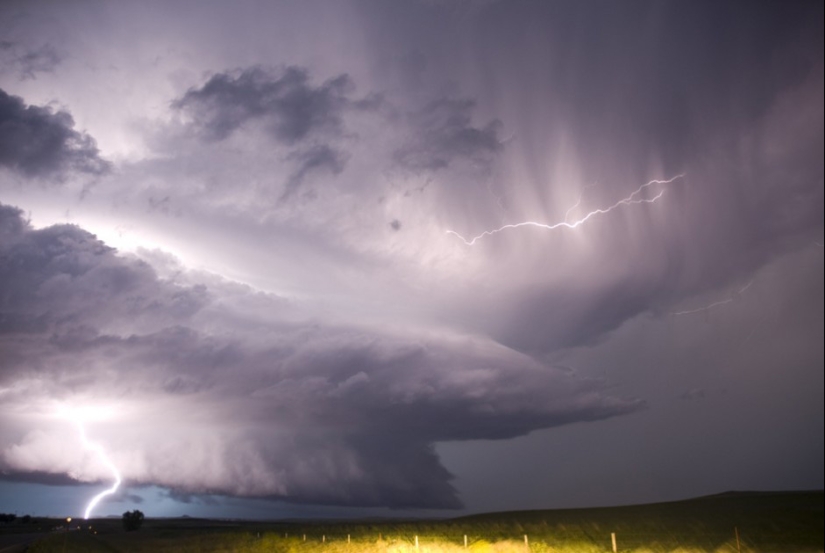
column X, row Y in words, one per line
column 629, row 200
column 98, row 449
column 716, row 303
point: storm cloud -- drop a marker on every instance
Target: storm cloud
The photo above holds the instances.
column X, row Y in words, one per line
column 292, row 107
column 307, row 413
column 311, row 160
column 443, row 132
column 397, row 254
column 38, row 141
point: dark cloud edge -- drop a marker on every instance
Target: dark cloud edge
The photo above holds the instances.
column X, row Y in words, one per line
column 39, row 142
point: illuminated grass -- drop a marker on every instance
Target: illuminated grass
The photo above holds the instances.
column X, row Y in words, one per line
column 769, row 523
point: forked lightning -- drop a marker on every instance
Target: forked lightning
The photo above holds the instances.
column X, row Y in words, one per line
column 633, row 198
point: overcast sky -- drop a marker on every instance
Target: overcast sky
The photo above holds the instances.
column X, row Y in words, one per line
column 346, row 258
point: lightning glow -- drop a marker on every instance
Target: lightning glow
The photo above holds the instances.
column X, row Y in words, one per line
column 716, row 303
column 101, row 454
column 632, row 199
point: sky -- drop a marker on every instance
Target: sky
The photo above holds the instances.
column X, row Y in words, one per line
column 360, row 258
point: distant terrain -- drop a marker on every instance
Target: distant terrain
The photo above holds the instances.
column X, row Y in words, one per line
column 785, row 522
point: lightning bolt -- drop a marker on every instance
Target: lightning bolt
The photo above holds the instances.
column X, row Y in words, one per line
column 632, row 199
column 577, row 204
column 716, row 303
column 98, row 449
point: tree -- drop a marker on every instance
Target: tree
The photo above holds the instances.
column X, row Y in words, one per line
column 132, row 520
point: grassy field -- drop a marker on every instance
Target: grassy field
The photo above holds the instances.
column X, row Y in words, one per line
column 766, row 522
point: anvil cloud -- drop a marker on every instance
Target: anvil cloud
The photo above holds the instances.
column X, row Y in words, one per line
column 226, row 225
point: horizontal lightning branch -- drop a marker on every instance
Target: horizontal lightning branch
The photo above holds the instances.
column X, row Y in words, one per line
column 629, row 200
column 716, row 303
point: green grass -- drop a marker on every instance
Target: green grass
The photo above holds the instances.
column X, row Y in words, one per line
column 767, row 522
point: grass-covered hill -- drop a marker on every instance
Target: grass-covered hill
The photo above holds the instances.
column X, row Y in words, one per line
column 780, row 522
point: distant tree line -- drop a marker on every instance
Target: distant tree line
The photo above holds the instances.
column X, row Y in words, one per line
column 11, row 517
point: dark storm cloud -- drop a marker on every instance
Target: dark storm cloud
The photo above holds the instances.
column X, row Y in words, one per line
column 580, row 314
column 338, row 417
column 443, row 133
column 300, row 116
column 48, row 478
column 62, row 277
column 188, row 498
column 299, row 411
column 38, row 141
column 291, row 106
